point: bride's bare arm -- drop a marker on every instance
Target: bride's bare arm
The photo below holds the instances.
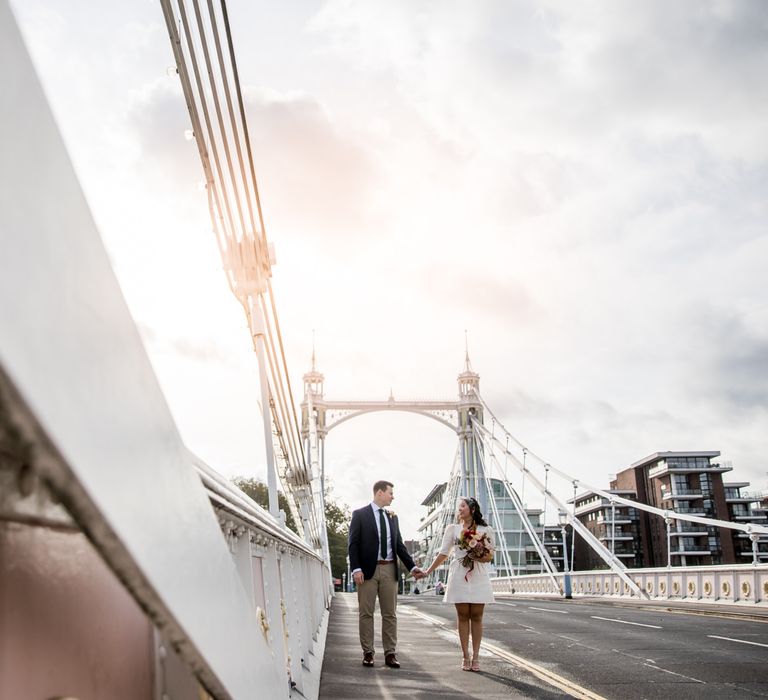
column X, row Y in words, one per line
column 439, row 559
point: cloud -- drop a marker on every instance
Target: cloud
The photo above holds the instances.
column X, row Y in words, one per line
column 478, row 292
column 729, row 360
column 316, row 178
column 313, row 180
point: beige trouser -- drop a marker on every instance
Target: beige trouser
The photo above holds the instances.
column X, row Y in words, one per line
column 384, row 585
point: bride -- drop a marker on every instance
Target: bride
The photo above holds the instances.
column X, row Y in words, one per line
column 469, row 587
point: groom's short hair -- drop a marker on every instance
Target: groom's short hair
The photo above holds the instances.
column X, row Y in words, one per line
column 381, row 486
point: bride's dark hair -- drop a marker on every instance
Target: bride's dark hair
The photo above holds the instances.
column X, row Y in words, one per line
column 474, row 510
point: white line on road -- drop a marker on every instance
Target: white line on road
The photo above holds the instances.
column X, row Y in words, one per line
column 562, row 612
column 511, row 605
column 741, row 641
column 625, row 622
column 659, row 668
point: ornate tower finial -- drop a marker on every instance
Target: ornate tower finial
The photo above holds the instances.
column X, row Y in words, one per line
column 467, row 365
column 313, row 380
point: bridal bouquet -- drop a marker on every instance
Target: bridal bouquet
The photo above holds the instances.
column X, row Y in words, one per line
column 476, row 545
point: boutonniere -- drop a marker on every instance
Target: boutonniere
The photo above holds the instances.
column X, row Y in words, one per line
column 390, row 513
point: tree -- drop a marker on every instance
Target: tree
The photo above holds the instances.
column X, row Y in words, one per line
column 258, row 491
column 337, row 524
column 337, row 517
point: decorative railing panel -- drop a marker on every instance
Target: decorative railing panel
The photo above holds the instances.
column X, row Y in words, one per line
column 739, row 584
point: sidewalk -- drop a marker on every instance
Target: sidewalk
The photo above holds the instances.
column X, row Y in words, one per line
column 431, row 664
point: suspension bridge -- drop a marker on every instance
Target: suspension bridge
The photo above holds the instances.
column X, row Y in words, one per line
column 107, row 516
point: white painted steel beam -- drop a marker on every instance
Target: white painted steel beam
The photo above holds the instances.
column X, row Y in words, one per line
column 83, row 399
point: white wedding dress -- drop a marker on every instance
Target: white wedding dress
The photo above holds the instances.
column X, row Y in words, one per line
column 463, row 587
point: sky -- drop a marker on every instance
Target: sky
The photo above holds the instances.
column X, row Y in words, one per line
column 581, row 186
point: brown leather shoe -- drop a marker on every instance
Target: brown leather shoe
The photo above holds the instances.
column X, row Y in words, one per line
column 391, row 661
column 367, row 658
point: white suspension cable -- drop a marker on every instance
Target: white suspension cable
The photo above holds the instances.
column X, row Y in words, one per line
column 525, row 521
column 613, row 562
column 522, row 500
column 544, row 510
column 712, row 522
column 202, row 44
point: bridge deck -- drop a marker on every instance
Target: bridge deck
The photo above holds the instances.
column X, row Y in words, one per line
column 551, row 648
column 430, row 661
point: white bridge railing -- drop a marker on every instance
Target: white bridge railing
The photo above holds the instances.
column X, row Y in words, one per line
column 285, row 580
column 740, row 584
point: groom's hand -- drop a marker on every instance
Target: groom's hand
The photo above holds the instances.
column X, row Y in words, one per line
column 418, row 573
column 358, row 578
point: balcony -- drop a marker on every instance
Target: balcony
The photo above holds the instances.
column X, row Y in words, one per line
column 616, row 538
column 740, row 498
column 689, row 530
column 682, row 494
column 690, row 549
column 690, row 510
column 664, row 468
column 619, row 520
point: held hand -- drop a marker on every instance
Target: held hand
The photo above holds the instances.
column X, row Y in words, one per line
column 358, row 578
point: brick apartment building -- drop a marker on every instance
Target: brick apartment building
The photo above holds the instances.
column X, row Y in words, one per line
column 685, row 482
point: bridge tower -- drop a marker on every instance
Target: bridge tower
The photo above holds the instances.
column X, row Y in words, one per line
column 314, row 401
column 472, row 477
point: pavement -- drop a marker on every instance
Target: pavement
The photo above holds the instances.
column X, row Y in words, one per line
column 553, row 648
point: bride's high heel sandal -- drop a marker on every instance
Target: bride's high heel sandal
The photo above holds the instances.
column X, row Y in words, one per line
column 466, row 665
column 475, row 665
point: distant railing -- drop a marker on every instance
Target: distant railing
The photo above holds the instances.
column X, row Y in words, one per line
column 743, row 584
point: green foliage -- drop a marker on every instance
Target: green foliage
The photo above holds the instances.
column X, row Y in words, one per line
column 258, row 491
column 337, row 517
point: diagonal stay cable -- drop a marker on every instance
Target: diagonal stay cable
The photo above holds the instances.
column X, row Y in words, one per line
column 611, row 497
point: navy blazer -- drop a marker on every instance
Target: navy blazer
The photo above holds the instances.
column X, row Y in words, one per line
column 364, row 542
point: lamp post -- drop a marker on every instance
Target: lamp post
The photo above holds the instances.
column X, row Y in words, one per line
column 402, row 584
column 349, row 578
column 344, row 581
column 562, row 517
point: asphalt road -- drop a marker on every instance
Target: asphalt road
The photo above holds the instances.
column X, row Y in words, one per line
column 625, row 652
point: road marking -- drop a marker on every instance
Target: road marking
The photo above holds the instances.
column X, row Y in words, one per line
column 526, row 627
column 511, row 605
column 740, row 641
column 651, row 663
column 573, row 689
column 562, row 612
column 659, row 668
column 625, row 622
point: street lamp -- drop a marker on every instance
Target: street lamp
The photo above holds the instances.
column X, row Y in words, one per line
column 562, row 518
column 402, row 584
column 349, row 577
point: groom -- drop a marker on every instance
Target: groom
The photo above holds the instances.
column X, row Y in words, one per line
column 374, row 545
